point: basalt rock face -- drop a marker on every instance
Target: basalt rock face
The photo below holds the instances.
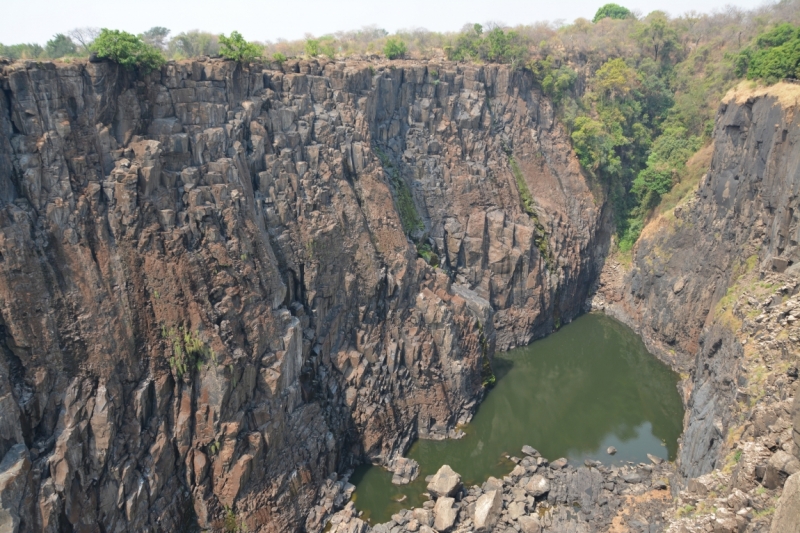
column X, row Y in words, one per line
column 713, row 290
column 208, row 302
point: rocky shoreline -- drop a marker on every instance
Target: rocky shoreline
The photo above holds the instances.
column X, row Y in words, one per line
column 536, row 495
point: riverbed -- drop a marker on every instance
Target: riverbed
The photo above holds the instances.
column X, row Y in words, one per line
column 573, row 394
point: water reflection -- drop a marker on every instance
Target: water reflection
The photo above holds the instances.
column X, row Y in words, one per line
column 573, row 394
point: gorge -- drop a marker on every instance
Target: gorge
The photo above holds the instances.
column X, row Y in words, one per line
column 224, row 286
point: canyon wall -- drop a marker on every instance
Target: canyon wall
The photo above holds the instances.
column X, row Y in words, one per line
column 713, row 289
column 208, row 300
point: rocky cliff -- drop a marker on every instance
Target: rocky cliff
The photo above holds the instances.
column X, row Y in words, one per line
column 713, row 289
column 209, row 302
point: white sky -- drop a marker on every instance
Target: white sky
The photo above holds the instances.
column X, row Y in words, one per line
column 263, row 20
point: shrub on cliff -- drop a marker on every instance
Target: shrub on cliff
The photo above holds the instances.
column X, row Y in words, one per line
column 775, row 55
column 394, row 48
column 127, row 49
column 235, row 47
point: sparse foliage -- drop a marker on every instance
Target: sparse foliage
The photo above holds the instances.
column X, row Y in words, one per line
column 59, row 46
column 83, row 36
column 156, row 36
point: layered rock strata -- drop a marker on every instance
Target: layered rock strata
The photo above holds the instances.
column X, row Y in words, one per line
column 208, row 299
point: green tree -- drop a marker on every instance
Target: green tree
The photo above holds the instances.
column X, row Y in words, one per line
column 127, row 50
column 394, row 48
column 614, row 11
column 22, row 51
column 615, row 79
column 59, row 46
column 327, row 46
column 312, row 47
column 775, row 55
column 235, row 47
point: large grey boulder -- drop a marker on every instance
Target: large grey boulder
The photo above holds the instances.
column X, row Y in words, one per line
column 538, row 486
column 780, row 466
column 487, row 510
column 445, row 482
column 444, row 514
column 787, row 513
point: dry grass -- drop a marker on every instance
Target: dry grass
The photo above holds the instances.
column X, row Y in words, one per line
column 788, row 94
column 630, row 505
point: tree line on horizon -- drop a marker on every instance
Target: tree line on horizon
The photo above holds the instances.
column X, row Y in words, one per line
column 637, row 93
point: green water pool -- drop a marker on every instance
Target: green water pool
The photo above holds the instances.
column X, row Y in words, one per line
column 573, row 394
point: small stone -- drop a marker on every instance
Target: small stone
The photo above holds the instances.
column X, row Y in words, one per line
column 655, row 460
column 558, row 464
column 611, row 450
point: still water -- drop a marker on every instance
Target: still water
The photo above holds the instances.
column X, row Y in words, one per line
column 573, row 394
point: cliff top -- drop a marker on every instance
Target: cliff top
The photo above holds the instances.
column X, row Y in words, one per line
column 787, row 93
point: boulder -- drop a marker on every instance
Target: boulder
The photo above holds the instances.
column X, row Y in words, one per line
column 492, row 484
column 529, row 450
column 538, row 486
column 423, row 516
column 487, row 511
column 516, row 509
column 529, row 524
column 780, row 466
column 444, row 514
column 611, row 450
column 16, row 503
column 787, row 512
column 445, row 482
column 405, row 470
column 558, row 464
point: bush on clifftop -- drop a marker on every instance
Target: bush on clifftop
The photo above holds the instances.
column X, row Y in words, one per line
column 775, row 55
column 127, row 49
column 236, row 48
column 394, row 48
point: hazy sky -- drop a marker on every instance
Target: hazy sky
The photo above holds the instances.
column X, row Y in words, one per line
column 37, row 21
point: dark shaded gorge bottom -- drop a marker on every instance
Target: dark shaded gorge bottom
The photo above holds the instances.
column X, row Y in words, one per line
column 573, row 394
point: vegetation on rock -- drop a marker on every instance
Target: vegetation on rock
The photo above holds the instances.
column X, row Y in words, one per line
column 774, row 55
column 127, row 50
column 394, row 48
column 237, row 48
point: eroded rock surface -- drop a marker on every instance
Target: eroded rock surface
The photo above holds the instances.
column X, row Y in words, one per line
column 208, row 300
